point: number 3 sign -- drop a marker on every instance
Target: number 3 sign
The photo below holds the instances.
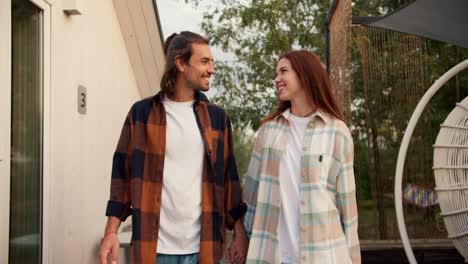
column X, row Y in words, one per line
column 82, row 99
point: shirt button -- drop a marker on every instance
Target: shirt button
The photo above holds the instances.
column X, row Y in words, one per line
column 310, row 125
column 302, row 202
column 304, row 148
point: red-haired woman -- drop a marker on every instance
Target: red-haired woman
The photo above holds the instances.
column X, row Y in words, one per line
column 300, row 188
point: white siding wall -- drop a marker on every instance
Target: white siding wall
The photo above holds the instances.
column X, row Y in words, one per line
column 87, row 50
column 5, row 109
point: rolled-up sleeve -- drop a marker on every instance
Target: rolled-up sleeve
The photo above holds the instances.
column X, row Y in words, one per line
column 119, row 204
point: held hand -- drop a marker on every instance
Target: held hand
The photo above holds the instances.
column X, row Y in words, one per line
column 109, row 245
column 237, row 252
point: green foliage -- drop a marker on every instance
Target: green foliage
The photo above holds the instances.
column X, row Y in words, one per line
column 243, row 145
column 256, row 32
column 361, row 169
column 364, row 8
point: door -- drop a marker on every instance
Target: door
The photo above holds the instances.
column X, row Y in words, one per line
column 30, row 27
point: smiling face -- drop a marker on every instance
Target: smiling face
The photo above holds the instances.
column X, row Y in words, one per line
column 200, row 67
column 287, row 82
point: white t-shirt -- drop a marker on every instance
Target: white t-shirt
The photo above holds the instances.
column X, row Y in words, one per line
column 289, row 178
column 179, row 229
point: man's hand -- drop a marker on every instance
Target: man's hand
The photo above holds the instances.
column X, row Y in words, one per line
column 110, row 242
column 237, row 252
column 109, row 245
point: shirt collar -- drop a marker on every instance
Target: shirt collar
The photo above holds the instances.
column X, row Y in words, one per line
column 319, row 113
column 199, row 96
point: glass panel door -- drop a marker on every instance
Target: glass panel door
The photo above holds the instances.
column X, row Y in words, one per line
column 26, row 133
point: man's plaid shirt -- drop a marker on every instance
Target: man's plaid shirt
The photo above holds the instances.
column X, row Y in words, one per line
column 137, row 177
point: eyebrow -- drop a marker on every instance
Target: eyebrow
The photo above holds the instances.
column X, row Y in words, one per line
column 282, row 68
column 207, row 58
column 276, row 72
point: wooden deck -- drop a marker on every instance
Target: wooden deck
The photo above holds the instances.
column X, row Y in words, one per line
column 425, row 251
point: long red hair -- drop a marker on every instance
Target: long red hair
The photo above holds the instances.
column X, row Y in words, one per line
column 314, row 79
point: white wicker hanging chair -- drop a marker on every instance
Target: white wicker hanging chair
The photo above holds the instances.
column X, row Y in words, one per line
column 451, row 175
column 450, row 168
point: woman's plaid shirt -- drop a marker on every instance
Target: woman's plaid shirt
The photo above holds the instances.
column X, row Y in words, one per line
column 328, row 211
column 137, row 177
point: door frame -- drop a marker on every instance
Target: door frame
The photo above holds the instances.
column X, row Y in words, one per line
column 46, row 124
column 5, row 127
column 5, row 123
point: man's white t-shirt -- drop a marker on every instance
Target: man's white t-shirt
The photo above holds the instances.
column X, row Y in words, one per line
column 289, row 178
column 179, row 228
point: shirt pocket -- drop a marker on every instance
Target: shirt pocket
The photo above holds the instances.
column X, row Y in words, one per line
column 329, row 169
column 313, row 164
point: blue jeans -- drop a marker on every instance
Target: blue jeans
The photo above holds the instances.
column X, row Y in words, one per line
column 177, row 259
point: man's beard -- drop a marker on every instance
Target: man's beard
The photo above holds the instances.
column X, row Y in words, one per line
column 196, row 86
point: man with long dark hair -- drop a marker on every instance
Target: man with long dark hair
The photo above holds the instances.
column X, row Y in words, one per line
column 174, row 169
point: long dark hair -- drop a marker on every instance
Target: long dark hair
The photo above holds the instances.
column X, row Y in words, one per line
column 314, row 79
column 177, row 46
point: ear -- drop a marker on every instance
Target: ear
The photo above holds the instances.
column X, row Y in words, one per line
column 179, row 63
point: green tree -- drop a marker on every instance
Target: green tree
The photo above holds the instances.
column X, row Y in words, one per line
column 243, row 145
column 256, row 32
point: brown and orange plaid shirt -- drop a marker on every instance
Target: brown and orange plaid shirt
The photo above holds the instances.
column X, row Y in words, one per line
column 137, row 177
